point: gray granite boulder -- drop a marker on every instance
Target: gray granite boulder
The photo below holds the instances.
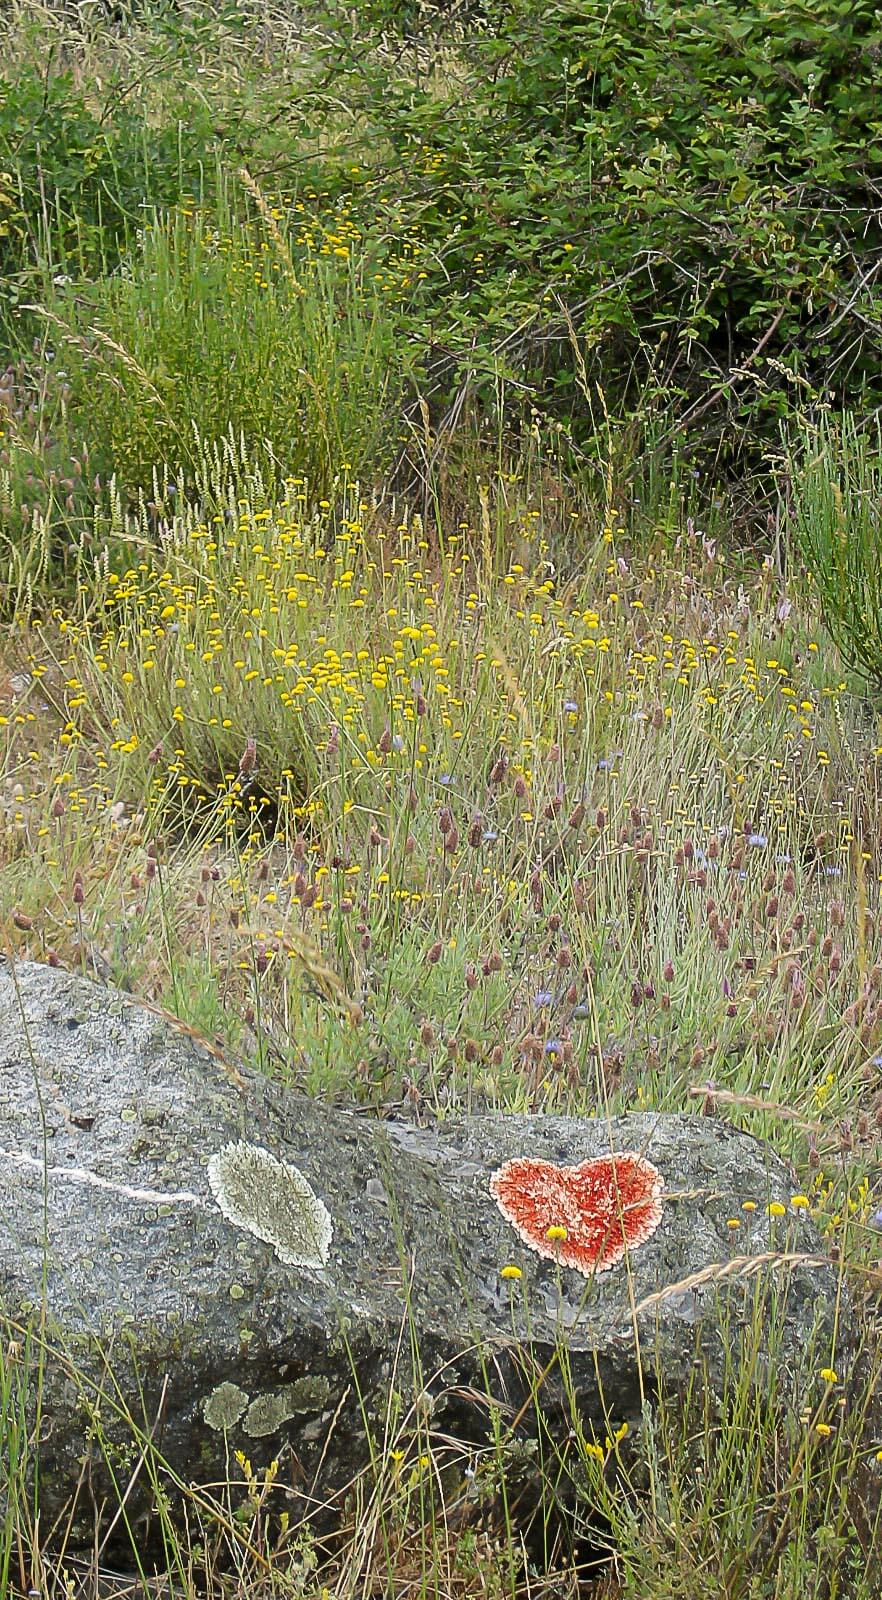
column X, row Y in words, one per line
column 242, row 1269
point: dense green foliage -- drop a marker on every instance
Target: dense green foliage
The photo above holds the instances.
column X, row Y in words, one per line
column 696, row 184
column 158, row 361
column 76, row 181
column 678, row 202
column 650, row 231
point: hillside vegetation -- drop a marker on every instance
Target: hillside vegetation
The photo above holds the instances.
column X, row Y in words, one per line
column 440, row 658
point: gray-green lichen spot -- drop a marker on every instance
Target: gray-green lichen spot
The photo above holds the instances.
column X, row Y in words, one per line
column 224, row 1406
column 268, row 1412
column 309, row 1393
column 273, row 1201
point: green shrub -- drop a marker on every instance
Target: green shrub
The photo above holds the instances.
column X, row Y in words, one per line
column 107, row 113
column 696, row 183
column 215, row 327
column 836, row 476
column 74, row 184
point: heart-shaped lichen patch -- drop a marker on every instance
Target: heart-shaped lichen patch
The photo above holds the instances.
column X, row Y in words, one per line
column 586, row 1217
column 272, row 1200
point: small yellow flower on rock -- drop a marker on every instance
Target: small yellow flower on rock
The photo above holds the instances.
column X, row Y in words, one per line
column 799, row 1202
column 511, row 1271
column 777, row 1210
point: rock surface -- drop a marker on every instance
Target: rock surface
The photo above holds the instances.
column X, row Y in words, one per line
column 144, row 1193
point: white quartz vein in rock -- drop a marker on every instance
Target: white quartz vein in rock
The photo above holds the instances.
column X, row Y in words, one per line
column 184, row 1197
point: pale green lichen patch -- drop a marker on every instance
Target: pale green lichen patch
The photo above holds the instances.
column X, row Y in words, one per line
column 273, row 1201
column 268, row 1412
column 309, row 1393
column 224, row 1406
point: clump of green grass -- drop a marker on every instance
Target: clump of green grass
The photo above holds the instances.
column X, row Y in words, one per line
column 216, row 326
column 836, row 484
column 107, row 112
column 17, row 1377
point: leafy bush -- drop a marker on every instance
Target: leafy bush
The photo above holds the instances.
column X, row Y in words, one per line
column 108, row 113
column 694, row 184
column 836, row 474
column 216, row 327
column 74, row 184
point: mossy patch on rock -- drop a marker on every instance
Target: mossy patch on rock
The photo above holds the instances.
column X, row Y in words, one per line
column 224, row 1406
column 273, row 1201
column 269, row 1412
column 309, row 1393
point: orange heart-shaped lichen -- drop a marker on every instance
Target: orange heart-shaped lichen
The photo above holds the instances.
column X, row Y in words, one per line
column 587, row 1217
